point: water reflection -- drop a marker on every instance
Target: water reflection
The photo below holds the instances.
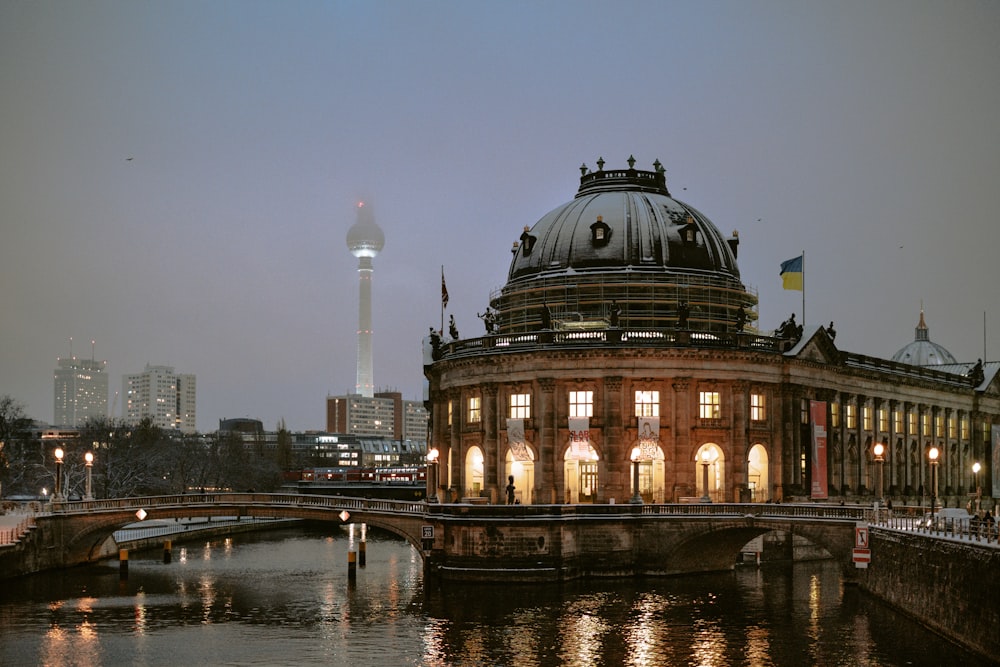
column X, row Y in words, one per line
column 266, row 599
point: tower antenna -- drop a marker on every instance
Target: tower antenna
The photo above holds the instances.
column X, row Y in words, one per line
column 365, row 239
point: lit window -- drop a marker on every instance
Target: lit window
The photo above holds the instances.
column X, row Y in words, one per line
column 939, row 426
column 952, row 426
column 866, row 418
column 927, row 423
column 897, row 416
column 850, row 416
column 758, row 408
column 709, row 405
column 883, row 419
column 475, row 410
column 913, row 422
column 965, row 428
column 520, row 406
column 449, row 412
column 647, row 404
column 834, row 415
column 581, row 404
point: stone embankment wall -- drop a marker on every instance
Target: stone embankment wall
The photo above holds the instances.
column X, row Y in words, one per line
column 951, row 586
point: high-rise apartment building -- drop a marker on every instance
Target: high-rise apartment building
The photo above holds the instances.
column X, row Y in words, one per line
column 166, row 397
column 80, row 391
column 384, row 415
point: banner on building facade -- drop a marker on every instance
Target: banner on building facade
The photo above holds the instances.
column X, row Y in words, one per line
column 649, row 437
column 515, row 440
column 995, row 442
column 579, row 438
column 817, row 410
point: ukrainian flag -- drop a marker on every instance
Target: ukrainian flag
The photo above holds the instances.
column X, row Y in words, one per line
column 791, row 273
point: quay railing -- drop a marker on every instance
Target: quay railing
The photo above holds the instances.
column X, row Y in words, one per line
column 975, row 530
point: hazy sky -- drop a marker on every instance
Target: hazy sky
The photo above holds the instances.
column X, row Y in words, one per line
column 177, row 178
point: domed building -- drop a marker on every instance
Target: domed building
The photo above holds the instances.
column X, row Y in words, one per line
column 922, row 351
column 621, row 363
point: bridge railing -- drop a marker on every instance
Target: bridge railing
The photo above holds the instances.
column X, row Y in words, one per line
column 804, row 511
column 421, row 508
column 242, row 499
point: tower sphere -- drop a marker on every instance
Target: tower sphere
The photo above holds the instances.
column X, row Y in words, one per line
column 365, row 237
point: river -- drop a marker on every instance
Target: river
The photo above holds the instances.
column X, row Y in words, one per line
column 285, row 598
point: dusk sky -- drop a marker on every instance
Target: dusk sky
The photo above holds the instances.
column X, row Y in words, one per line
column 177, row 178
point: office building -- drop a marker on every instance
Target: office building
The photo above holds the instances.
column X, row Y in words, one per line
column 80, row 391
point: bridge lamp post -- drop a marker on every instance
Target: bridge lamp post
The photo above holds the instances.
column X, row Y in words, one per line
column 432, row 461
column 932, row 454
column 979, row 492
column 879, row 451
column 89, row 459
column 57, row 494
column 705, row 460
column 636, row 496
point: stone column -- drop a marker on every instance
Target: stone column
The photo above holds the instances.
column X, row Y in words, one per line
column 739, row 429
column 492, row 415
column 911, row 468
column 549, row 469
column 684, row 463
column 616, row 452
column 890, row 451
column 452, row 445
column 859, row 439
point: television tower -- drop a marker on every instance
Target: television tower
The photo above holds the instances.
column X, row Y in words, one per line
column 365, row 239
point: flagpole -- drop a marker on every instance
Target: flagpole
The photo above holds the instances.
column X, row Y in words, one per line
column 442, row 301
column 803, row 288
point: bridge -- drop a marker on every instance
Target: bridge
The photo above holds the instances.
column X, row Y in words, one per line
column 472, row 542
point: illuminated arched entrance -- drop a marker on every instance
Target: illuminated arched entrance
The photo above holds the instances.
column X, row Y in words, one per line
column 523, row 472
column 580, row 470
column 473, row 472
column 652, row 476
column 710, row 455
column 757, row 479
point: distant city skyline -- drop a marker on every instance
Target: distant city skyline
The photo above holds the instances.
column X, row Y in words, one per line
column 179, row 177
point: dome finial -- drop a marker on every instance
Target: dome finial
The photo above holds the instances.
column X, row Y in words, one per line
column 583, row 169
column 631, row 162
column 600, row 164
column 658, row 167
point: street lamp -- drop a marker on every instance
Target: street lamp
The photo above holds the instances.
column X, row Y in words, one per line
column 705, row 456
column 932, row 454
column 89, row 458
column 432, row 460
column 979, row 492
column 879, row 451
column 636, row 496
column 57, row 494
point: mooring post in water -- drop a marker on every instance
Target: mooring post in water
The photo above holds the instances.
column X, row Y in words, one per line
column 352, row 565
column 362, row 548
column 123, row 563
column 167, row 545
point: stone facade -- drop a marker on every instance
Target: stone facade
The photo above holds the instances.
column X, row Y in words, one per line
column 744, row 401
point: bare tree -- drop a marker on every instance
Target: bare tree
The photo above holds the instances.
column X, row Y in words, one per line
column 19, row 455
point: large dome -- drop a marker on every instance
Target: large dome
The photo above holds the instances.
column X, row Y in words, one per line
column 922, row 351
column 624, row 240
column 645, row 230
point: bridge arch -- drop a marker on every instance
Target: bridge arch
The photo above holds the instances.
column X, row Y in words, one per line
column 86, row 534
